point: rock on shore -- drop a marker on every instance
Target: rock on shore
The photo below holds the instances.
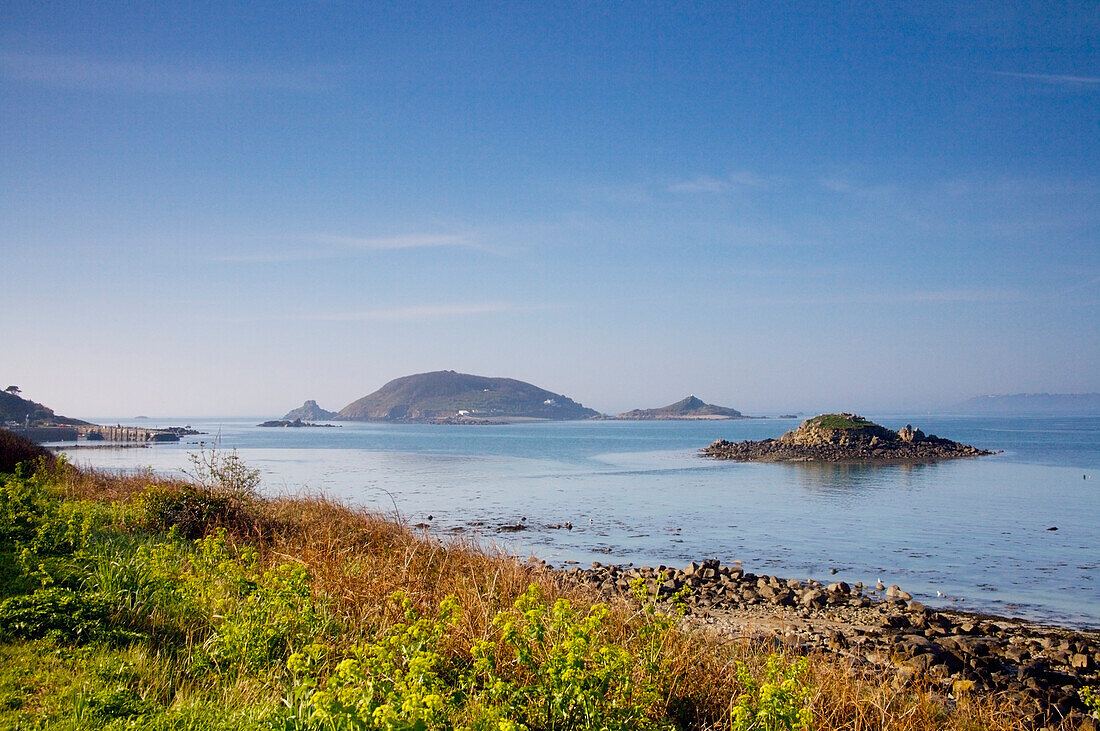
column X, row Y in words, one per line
column 844, row 438
column 1043, row 667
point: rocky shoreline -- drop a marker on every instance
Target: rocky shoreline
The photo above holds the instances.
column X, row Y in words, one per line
column 844, row 438
column 877, row 628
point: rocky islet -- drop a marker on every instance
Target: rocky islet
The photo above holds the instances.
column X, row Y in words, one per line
column 844, row 438
column 296, row 423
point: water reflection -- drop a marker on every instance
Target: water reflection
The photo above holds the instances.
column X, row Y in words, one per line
column 847, row 480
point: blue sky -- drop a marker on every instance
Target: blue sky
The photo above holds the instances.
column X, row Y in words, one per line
column 227, row 208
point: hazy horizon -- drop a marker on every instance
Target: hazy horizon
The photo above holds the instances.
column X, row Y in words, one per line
column 940, row 409
column 227, row 210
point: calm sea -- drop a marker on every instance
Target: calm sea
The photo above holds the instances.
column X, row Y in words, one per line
column 977, row 531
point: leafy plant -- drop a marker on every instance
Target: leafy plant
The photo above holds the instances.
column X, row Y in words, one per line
column 108, row 704
column 576, row 679
column 269, row 623
column 549, row 667
column 223, row 473
column 59, row 613
column 190, row 509
column 779, row 703
column 26, row 504
column 222, row 487
column 1090, row 696
column 396, row 682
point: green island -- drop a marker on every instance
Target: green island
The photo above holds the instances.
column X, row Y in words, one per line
column 140, row 602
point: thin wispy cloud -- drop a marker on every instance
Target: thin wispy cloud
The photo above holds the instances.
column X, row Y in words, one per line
column 1020, row 211
column 842, row 185
column 408, row 241
column 93, row 74
column 418, row 313
column 275, row 257
column 957, row 296
column 1053, row 79
column 704, row 184
column 737, row 180
column 907, row 297
column 320, row 246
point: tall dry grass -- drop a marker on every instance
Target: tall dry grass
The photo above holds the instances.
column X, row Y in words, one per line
column 357, row 559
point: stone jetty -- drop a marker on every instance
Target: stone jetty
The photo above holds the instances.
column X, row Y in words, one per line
column 130, row 434
column 844, row 438
column 877, row 629
column 101, row 433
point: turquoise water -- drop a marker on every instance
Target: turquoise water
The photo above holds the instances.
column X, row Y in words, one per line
column 974, row 530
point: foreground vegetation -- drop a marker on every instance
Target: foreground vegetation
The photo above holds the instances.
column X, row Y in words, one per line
column 145, row 603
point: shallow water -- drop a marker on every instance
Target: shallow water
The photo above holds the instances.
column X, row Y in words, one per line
column 975, row 530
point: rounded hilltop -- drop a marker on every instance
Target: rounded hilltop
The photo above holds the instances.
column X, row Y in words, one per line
column 844, row 438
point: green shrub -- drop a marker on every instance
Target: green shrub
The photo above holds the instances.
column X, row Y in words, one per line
column 26, row 504
column 191, row 509
column 98, row 706
column 33, row 516
column 58, row 613
column 224, row 473
column 576, row 679
column 1091, row 698
column 779, row 703
column 221, row 489
column 71, row 527
column 268, row 624
column 550, row 667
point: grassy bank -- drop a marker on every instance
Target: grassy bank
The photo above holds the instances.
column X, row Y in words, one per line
column 140, row 602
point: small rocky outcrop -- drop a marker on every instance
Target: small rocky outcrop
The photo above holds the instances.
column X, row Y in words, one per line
column 296, row 423
column 685, row 409
column 310, row 411
column 844, row 438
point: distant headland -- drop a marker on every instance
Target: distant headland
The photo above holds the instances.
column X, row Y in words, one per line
column 39, row 423
column 456, row 398
column 844, row 438
column 686, row 409
column 18, row 411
